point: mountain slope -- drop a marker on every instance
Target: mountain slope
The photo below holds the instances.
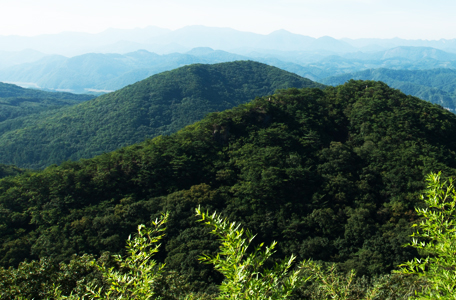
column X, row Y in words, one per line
column 330, row 174
column 436, row 85
column 18, row 102
column 161, row 104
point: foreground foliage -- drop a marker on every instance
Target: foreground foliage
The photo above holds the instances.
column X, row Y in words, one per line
column 435, row 238
column 138, row 276
column 45, row 279
column 245, row 275
column 140, row 273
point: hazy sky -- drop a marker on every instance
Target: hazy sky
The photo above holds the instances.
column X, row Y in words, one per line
column 410, row 19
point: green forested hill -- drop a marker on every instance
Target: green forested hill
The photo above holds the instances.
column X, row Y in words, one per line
column 16, row 101
column 330, row 174
column 436, row 85
column 161, row 104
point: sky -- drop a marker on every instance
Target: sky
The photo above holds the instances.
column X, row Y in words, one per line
column 417, row 19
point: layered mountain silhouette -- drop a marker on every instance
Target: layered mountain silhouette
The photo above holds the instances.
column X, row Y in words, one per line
column 165, row 41
column 96, row 72
column 100, row 73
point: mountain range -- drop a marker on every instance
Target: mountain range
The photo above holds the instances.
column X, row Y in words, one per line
column 95, row 72
column 163, row 41
column 99, row 73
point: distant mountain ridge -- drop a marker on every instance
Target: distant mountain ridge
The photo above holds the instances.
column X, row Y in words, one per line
column 409, row 52
column 8, row 59
column 436, row 86
column 162, row 41
column 159, row 105
column 97, row 72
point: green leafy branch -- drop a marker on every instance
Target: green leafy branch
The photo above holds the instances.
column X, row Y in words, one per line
column 435, row 237
column 245, row 274
column 142, row 272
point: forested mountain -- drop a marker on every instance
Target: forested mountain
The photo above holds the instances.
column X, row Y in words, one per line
column 161, row 104
column 330, row 174
column 436, row 85
column 17, row 102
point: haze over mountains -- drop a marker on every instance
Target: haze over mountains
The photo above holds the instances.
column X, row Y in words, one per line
column 113, row 59
column 94, row 72
column 161, row 41
column 98, row 72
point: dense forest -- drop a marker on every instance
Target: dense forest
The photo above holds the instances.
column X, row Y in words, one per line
column 331, row 174
column 161, row 104
column 18, row 102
